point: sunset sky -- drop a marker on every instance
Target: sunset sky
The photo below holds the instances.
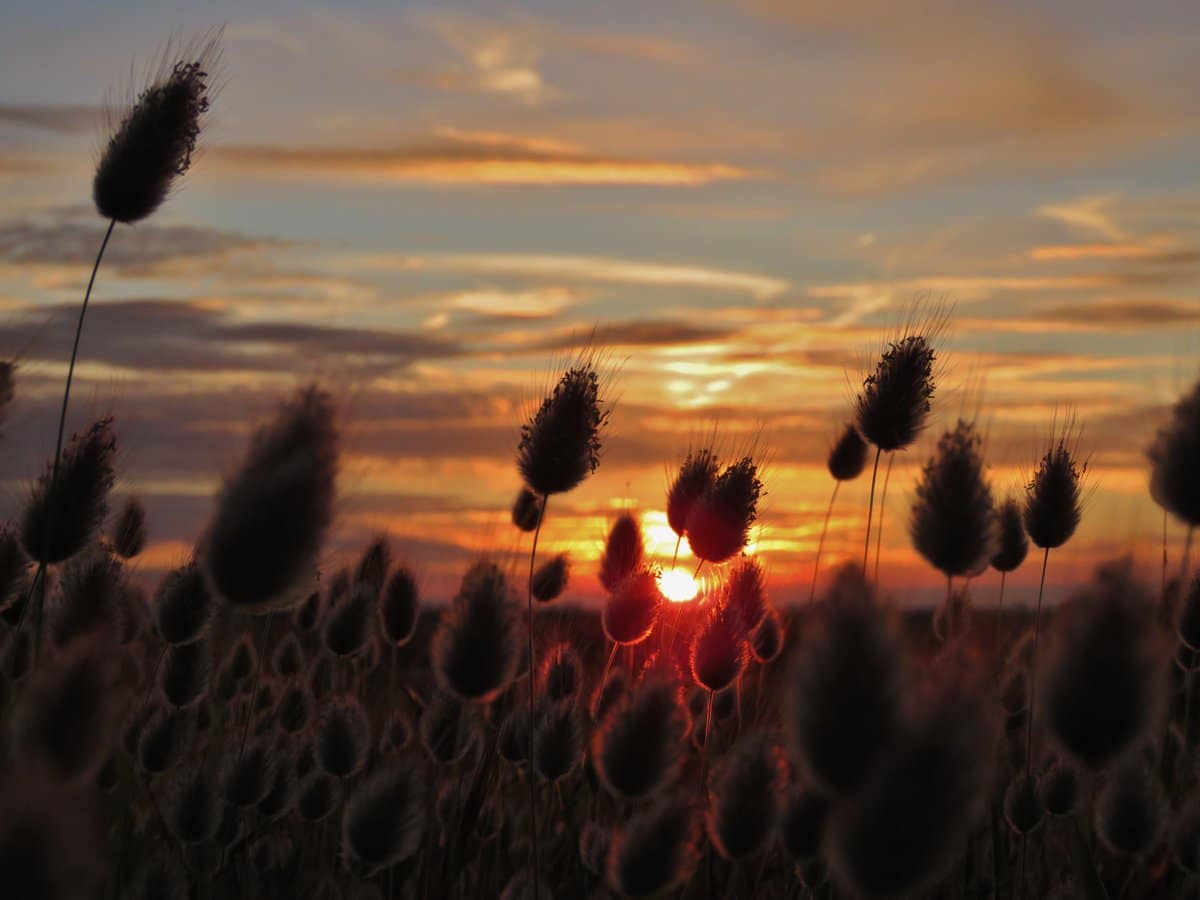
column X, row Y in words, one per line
column 428, row 207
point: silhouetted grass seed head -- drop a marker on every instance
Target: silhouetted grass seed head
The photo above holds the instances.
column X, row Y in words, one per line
column 624, row 552
column 952, row 519
column 718, row 526
column 560, row 444
column 629, row 615
column 399, row 607
column 848, row 456
column 65, row 511
column 744, row 794
column 1053, row 498
column 1174, row 473
column 895, row 400
column 384, row 818
column 343, row 737
column 128, row 536
column 152, row 146
column 182, row 607
column 655, row 850
column 1131, row 812
column 1103, row 683
column 550, row 579
column 261, row 549
column 637, row 748
column 719, row 651
column 695, row 478
column 476, row 648
column 558, row 740
column 1012, row 546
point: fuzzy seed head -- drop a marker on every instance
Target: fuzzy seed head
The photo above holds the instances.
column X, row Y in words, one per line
column 399, row 607
column 343, row 737
column 152, row 146
column 65, row 510
column 1131, row 812
column 629, row 615
column 656, row 850
column 637, row 749
column 1012, row 545
column 374, row 564
column 624, row 551
column 476, row 649
column 744, row 797
column 384, row 818
column 561, row 676
column 448, row 729
column 848, row 456
column 527, row 510
column 128, row 536
column 558, row 740
column 766, row 641
column 952, row 521
column 560, row 444
column 696, row 477
column 894, row 404
column 348, row 624
column 802, row 823
column 1102, row 689
column 719, row 651
column 1053, row 499
column 183, row 678
column 182, row 606
column 719, row 524
column 194, row 812
column 843, row 708
column 550, row 579
column 1174, row 475
column 260, row 553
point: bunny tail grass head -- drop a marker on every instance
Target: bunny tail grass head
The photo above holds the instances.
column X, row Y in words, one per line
column 375, row 563
column 1012, row 545
column 384, row 818
column 527, row 510
column 399, row 607
column 349, row 624
column 848, row 456
column 343, row 737
column 1174, row 474
column 65, row 511
column 560, row 444
column 152, row 146
column 718, row 526
column 744, row 794
column 449, row 730
column 656, row 850
column 1131, row 811
column 629, row 615
column 476, row 649
column 551, row 577
column 695, row 478
column 1053, row 498
column 558, row 740
column 128, row 536
column 260, row 552
column 1102, row 691
column 624, row 552
column 906, row 825
column 895, row 401
column 561, row 675
column 718, row 652
column 952, row 521
column 183, row 678
column 638, row 748
column 746, row 594
column 847, row 681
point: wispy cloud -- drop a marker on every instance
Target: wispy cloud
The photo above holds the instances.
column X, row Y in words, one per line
column 457, row 158
column 574, row 269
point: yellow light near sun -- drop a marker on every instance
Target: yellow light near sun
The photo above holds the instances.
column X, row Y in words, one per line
column 660, row 539
column 678, row 585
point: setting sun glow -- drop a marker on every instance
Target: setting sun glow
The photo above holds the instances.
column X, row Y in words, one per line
column 678, row 585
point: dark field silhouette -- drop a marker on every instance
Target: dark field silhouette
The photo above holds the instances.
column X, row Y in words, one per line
column 262, row 724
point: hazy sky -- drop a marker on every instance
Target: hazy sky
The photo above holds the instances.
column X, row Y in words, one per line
column 427, row 206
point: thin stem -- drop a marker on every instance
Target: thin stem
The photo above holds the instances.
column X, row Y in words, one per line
column 699, row 566
column 887, row 476
column 58, row 442
column 258, row 667
column 1187, row 559
column 1037, row 629
column 870, row 510
column 675, row 555
column 999, row 611
column 533, row 833
column 608, row 665
column 1163, row 592
column 812, row 594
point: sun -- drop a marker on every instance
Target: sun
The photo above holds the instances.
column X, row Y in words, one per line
column 678, row 586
